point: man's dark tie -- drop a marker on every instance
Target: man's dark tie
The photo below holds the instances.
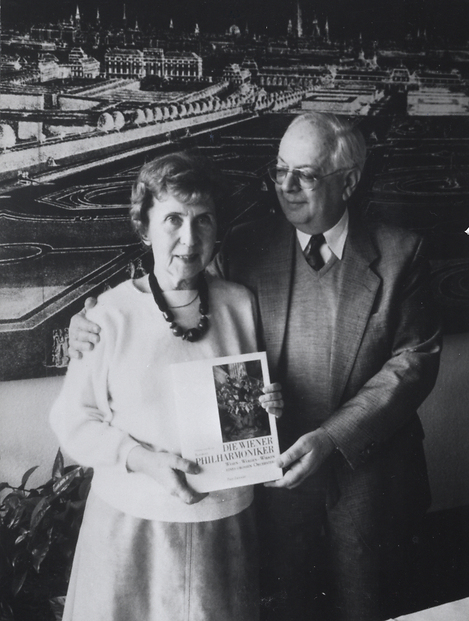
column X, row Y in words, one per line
column 312, row 254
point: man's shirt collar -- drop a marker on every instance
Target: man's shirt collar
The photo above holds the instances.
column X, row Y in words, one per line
column 335, row 237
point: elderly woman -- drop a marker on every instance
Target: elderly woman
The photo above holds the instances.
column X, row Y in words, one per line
column 150, row 547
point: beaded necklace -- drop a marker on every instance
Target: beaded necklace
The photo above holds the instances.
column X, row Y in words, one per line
column 192, row 334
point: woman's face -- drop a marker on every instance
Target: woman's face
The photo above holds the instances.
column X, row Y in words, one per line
column 182, row 237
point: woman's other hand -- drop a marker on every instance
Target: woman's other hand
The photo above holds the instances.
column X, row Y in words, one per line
column 272, row 400
column 168, row 469
column 83, row 334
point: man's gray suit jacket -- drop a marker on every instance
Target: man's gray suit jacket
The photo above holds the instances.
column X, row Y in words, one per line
column 386, row 341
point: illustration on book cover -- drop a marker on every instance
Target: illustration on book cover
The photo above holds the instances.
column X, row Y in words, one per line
column 223, row 427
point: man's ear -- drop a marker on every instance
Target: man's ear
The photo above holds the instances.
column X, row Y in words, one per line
column 350, row 182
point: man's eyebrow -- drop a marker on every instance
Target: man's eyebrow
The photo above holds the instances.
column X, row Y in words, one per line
column 305, row 167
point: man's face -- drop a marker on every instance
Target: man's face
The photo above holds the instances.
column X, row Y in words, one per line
column 307, row 148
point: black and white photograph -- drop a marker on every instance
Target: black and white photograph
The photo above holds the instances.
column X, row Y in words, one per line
column 194, row 180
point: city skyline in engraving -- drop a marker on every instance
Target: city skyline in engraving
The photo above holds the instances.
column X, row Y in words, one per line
column 396, row 20
column 92, row 94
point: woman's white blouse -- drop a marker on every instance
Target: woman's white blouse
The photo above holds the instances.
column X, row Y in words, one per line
column 121, row 394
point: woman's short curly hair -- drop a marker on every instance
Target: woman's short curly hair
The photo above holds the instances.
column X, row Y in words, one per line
column 189, row 177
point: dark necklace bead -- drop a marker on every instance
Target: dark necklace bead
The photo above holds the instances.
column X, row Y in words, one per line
column 168, row 316
column 192, row 334
column 176, row 329
column 203, row 323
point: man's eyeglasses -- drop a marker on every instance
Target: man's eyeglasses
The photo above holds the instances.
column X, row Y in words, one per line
column 305, row 179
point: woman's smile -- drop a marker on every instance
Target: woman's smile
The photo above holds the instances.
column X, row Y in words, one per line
column 187, row 258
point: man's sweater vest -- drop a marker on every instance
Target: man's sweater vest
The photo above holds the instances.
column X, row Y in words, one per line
column 307, row 349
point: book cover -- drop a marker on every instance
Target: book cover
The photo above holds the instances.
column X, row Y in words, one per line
column 222, row 425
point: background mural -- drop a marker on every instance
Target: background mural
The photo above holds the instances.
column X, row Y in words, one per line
column 90, row 94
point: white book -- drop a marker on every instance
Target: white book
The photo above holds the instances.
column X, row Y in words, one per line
column 222, row 425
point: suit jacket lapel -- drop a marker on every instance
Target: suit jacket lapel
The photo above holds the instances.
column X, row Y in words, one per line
column 358, row 288
column 274, row 288
column 357, row 292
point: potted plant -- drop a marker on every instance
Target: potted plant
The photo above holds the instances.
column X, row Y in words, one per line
column 38, row 534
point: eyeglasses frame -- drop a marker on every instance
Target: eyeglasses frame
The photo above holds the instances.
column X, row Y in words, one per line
column 296, row 172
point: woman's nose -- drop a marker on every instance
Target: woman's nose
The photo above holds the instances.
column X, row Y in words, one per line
column 188, row 233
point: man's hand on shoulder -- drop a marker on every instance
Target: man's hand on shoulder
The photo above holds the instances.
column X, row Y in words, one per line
column 83, row 334
column 303, row 458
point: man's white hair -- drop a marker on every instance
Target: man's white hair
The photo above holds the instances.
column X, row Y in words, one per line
column 346, row 142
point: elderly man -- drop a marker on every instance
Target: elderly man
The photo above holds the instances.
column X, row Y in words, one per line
column 350, row 332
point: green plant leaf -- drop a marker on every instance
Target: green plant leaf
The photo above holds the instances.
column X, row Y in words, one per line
column 39, row 554
column 46, row 522
column 58, row 467
column 18, row 582
column 64, row 482
column 77, row 504
column 85, row 485
column 18, row 557
column 12, row 500
column 6, row 612
column 21, row 537
column 26, row 476
column 39, row 512
column 5, row 563
column 17, row 515
column 57, row 605
column 69, row 468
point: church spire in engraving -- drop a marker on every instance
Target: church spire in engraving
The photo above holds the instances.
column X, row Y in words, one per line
column 326, row 30
column 299, row 20
column 77, row 17
column 316, row 30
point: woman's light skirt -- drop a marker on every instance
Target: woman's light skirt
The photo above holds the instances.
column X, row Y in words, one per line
column 130, row 569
